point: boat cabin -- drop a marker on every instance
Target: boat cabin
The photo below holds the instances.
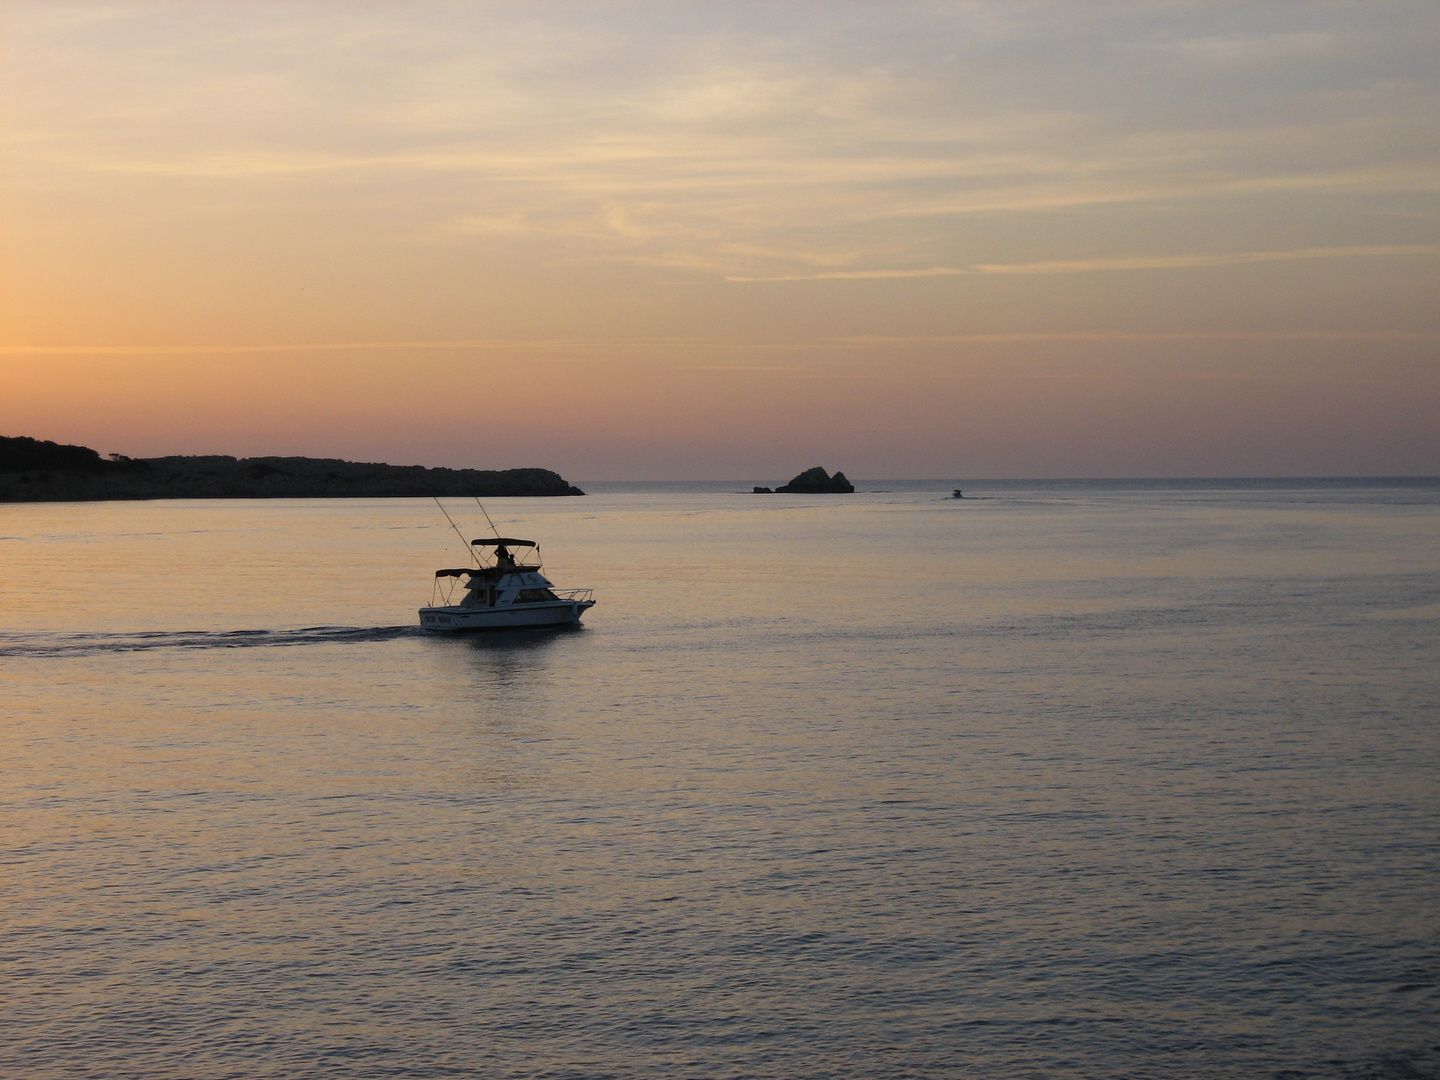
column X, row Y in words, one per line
column 507, row 573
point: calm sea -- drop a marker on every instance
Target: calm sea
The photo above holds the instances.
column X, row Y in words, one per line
column 1058, row 780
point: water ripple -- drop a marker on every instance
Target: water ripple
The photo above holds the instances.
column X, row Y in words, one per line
column 61, row 645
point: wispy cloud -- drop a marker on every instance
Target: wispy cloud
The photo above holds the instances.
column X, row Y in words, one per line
column 514, row 345
column 698, row 346
column 854, row 275
column 674, row 143
column 1191, row 260
column 1062, row 337
column 450, row 171
column 1235, row 50
column 1199, row 259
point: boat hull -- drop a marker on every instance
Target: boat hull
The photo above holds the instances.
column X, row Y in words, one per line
column 451, row 620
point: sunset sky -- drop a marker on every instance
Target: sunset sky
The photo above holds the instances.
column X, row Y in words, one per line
column 728, row 240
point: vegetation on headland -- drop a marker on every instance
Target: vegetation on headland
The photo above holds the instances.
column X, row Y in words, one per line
column 36, row 471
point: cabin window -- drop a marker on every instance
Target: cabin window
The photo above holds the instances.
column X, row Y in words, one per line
column 534, row 596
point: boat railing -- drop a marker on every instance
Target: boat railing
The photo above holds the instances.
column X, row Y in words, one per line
column 581, row 595
column 521, row 564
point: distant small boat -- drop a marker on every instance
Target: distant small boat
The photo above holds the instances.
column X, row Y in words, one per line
column 957, row 494
column 504, row 592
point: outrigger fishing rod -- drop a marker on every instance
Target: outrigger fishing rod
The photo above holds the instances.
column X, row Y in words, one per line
column 487, row 516
column 458, row 533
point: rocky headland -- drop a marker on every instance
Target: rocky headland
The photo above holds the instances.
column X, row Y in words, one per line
column 35, row 471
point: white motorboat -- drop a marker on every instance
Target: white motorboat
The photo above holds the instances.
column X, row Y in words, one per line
column 504, row 591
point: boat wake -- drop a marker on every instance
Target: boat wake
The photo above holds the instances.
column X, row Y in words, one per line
column 56, row 644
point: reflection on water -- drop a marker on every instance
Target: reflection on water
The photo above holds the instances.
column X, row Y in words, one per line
column 536, row 639
column 1076, row 781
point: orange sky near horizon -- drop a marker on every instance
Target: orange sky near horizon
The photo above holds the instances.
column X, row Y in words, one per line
column 693, row 240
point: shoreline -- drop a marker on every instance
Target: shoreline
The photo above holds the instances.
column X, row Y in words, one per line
column 34, row 471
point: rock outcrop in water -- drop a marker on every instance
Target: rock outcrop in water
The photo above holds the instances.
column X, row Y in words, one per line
column 36, row 471
column 817, row 481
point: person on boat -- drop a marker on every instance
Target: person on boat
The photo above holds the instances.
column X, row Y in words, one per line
column 503, row 559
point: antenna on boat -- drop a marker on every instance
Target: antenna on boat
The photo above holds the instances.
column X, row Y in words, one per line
column 458, row 533
column 487, row 516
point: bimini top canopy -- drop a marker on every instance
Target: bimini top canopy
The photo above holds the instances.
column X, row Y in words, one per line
column 461, row 572
column 503, row 541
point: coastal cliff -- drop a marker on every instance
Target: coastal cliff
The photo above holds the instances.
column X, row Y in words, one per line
column 36, row 471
